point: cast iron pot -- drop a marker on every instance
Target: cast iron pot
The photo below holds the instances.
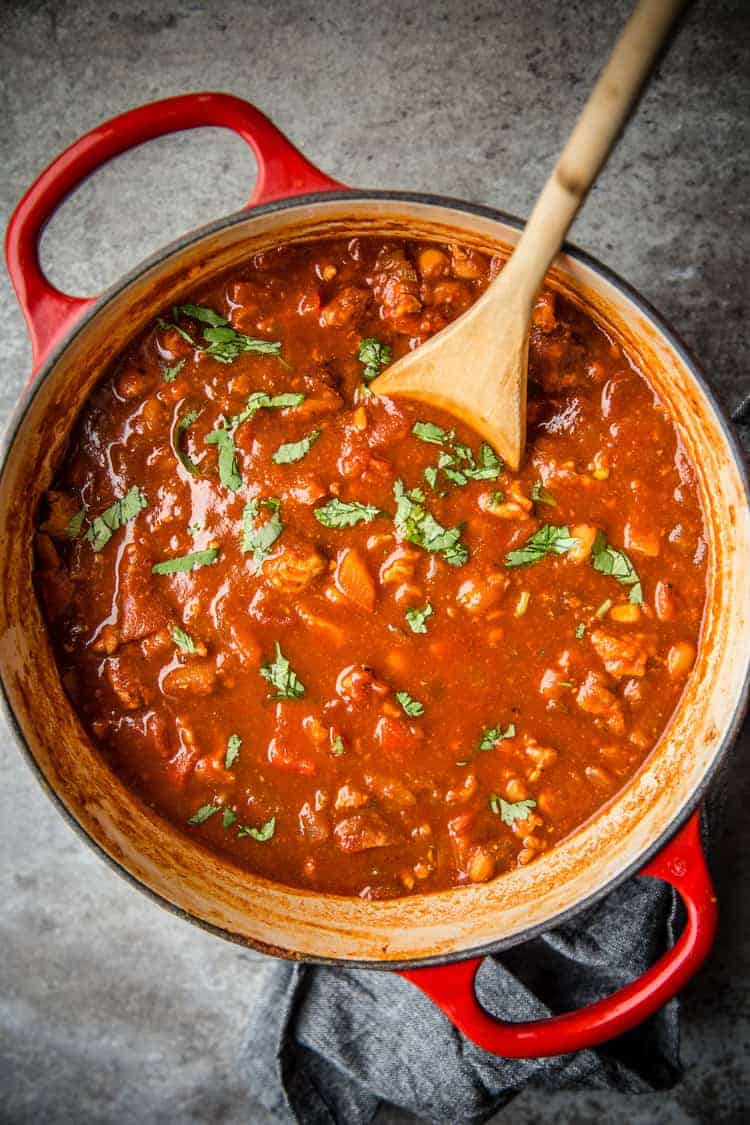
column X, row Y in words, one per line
column 436, row 940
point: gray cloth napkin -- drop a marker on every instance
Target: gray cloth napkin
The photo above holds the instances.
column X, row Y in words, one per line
column 326, row 1046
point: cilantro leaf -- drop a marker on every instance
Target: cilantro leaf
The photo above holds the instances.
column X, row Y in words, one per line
column 178, row 429
column 228, row 817
column 169, row 374
column 429, row 432
column 203, row 813
column 183, row 640
column 338, row 513
column 412, row 707
column 337, row 746
column 510, row 812
column 280, row 676
column 492, row 735
column 260, row 538
column 295, row 450
column 417, row 618
column 490, row 467
column 610, row 560
column 114, row 517
column 229, row 474
column 375, row 355
column 262, row 834
column 580, row 630
column 261, row 400
column 417, row 525
column 548, row 540
column 234, row 742
column 430, row 475
column 184, row 563
column 540, row 495
column 201, row 313
column 75, row 523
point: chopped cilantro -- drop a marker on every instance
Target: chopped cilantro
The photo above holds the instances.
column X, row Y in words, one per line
column 430, row 475
column 114, row 517
column 490, row 466
column 417, row 618
column 375, row 355
column 295, row 450
column 234, row 742
column 183, row 640
column 220, row 341
column 181, row 425
column 417, row 525
column 548, row 540
column 261, row 400
column 280, row 676
column 580, row 630
column 259, row 538
column 203, row 813
column 492, row 735
column 540, row 495
column 262, row 834
column 412, row 707
column 184, row 563
column 169, row 374
column 610, row 560
column 228, row 817
column 496, row 498
column 75, row 523
column 510, row 812
column 229, row 474
column 429, row 432
column 338, row 513
column 337, row 746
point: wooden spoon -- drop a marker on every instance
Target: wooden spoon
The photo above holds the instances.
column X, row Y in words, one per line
column 476, row 367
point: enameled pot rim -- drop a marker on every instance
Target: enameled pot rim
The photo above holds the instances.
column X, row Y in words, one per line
column 574, row 253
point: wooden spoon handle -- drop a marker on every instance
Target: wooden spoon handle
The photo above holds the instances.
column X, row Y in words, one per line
column 595, row 132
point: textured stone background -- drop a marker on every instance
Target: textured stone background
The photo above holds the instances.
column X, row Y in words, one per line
column 112, row 1010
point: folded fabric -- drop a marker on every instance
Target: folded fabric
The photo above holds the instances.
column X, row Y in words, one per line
column 327, row 1046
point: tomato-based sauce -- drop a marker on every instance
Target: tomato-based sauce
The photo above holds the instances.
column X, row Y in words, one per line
column 330, row 635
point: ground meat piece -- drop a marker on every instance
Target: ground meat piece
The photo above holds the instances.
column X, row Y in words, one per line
column 363, row 831
column 141, row 610
column 347, row 307
column 396, row 285
column 295, row 567
column 623, row 655
column 596, row 698
column 126, row 682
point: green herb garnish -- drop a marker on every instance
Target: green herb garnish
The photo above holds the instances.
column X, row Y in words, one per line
column 610, row 560
column 337, row 746
column 259, row 538
column 203, row 813
column 220, row 341
column 492, row 735
column 510, row 812
column 412, row 707
column 262, row 834
column 429, row 432
column 169, row 374
column 281, row 677
column 375, row 356
column 229, row 474
column 295, row 450
column 540, row 495
column 417, row 618
column 183, row 640
column 338, row 513
column 181, row 425
column 114, row 517
column 75, row 523
column 228, row 817
column 234, row 742
column 548, row 540
column 184, row 563
column 261, row 400
column 417, row 525
column 580, row 631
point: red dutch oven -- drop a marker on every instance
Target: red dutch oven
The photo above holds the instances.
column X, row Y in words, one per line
column 436, row 941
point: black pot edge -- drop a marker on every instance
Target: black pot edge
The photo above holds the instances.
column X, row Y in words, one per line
column 679, row 346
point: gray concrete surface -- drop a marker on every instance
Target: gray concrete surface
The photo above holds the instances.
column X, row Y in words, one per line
column 113, row 1011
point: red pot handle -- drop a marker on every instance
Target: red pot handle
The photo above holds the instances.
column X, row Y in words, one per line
column 683, row 864
column 282, row 171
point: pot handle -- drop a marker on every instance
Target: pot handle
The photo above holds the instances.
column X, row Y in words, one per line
column 682, row 863
column 282, row 171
